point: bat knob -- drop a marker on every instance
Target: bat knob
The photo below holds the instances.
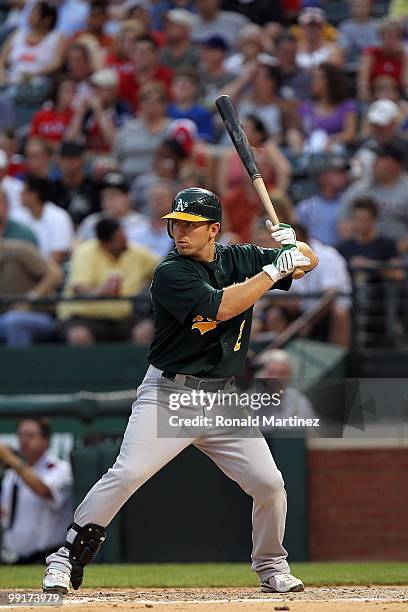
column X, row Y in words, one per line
column 298, row 273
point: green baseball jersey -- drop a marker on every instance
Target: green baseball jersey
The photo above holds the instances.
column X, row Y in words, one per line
column 186, row 295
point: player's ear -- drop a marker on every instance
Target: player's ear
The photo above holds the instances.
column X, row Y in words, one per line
column 214, row 229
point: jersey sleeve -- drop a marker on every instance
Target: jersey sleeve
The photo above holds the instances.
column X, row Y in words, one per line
column 182, row 292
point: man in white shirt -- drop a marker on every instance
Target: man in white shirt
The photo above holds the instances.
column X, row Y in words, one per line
column 12, row 187
column 36, row 493
column 51, row 224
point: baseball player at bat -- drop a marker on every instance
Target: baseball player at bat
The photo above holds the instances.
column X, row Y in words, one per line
column 203, row 295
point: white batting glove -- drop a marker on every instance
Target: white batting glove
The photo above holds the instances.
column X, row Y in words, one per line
column 287, row 261
column 282, row 232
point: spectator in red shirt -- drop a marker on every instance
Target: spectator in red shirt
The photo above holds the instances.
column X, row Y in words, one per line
column 97, row 19
column 146, row 68
column 389, row 59
column 119, row 57
column 50, row 122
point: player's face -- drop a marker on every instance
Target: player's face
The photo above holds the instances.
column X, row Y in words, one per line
column 193, row 238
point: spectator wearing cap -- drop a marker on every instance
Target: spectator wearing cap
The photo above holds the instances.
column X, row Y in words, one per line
column 74, row 191
column 197, row 154
column 381, row 127
column 146, row 69
column 313, row 50
column 99, row 114
column 359, row 31
column 389, row 58
column 96, row 25
column 10, row 229
column 138, row 139
column 212, row 73
column 319, row 214
column 212, row 21
column 36, row 495
column 105, row 267
column 330, row 121
column 115, row 203
column 152, row 234
column 52, row 120
column 25, row 272
column 51, row 224
column 178, row 50
column 388, row 186
column 184, row 103
column 120, row 54
column 167, row 162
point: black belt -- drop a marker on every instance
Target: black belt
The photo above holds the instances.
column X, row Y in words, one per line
column 192, row 382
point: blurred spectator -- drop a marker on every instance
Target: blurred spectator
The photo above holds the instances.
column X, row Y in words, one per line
column 197, row 154
column 178, row 50
column 167, row 161
column 74, row 191
column 184, row 105
column 49, row 123
column 23, row 271
column 141, row 11
column 212, row 73
column 274, row 167
column 146, row 69
column 106, row 267
column 256, row 92
column 259, row 11
column 389, row 58
column 138, row 139
column 386, row 88
column 115, row 204
column 152, row 233
column 212, row 21
column 332, row 277
column 388, row 186
column 366, row 246
column 51, row 224
column 72, row 16
column 249, row 46
column 10, row 144
column 12, row 187
column 296, row 82
column 313, row 49
column 275, row 376
column 359, row 31
column 120, row 56
column 38, row 158
column 320, row 213
column 99, row 114
column 96, row 24
column 36, row 495
column 330, row 121
column 79, row 65
column 33, row 53
column 382, row 122
column 13, row 230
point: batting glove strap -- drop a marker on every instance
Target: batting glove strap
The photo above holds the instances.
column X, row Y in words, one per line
column 282, row 232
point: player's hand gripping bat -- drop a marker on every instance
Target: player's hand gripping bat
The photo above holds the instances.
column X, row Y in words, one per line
column 240, row 142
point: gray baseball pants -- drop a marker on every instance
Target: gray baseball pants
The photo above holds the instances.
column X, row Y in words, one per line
column 246, row 460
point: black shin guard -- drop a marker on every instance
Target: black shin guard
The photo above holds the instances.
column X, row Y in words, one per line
column 83, row 543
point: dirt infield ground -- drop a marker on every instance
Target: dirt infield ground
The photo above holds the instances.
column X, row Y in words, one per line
column 334, row 599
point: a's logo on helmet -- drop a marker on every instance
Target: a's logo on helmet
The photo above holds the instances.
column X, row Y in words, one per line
column 180, row 205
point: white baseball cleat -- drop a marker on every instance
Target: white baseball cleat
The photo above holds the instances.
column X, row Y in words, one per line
column 55, row 581
column 282, row 583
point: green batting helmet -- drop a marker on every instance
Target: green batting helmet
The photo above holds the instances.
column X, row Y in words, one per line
column 195, row 204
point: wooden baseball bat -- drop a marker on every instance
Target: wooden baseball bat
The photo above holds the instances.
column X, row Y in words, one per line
column 241, row 144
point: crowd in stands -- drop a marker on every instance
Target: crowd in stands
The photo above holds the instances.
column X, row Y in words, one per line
column 107, row 110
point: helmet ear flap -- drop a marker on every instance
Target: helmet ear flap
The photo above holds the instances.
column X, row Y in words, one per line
column 169, row 227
